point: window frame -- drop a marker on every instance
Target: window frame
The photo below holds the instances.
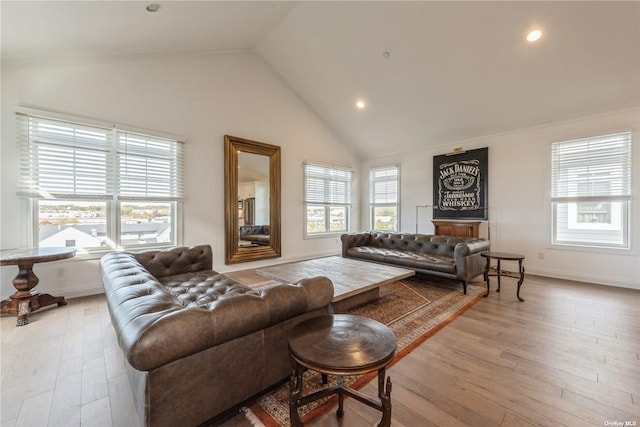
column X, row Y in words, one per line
column 372, row 193
column 115, row 198
column 569, row 193
column 329, row 200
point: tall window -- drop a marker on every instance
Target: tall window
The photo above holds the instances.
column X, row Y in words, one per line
column 591, row 191
column 98, row 188
column 327, row 199
column 383, row 198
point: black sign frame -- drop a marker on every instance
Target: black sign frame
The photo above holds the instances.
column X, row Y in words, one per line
column 460, row 185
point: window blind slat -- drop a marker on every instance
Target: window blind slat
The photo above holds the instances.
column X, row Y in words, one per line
column 63, row 159
column 599, row 166
column 157, row 160
column 327, row 185
column 384, row 185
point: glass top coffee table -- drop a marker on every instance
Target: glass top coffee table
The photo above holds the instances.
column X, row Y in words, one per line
column 341, row 344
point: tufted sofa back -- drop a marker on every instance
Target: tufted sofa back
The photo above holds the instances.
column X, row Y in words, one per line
column 176, row 261
column 423, row 243
column 247, row 230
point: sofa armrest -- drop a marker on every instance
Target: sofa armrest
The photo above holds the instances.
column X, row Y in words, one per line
column 471, row 247
column 286, row 301
column 352, row 240
column 466, row 249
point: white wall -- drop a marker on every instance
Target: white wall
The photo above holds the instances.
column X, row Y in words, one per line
column 201, row 98
column 519, row 177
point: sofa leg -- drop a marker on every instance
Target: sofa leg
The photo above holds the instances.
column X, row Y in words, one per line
column 464, row 287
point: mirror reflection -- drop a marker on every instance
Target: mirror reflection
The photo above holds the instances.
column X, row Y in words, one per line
column 253, row 200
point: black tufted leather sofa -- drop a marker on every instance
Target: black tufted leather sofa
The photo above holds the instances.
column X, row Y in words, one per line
column 195, row 342
column 448, row 257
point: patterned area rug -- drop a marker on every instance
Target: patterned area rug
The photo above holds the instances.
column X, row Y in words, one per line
column 414, row 308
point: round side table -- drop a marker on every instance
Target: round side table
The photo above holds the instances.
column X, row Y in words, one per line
column 26, row 299
column 504, row 256
column 341, row 344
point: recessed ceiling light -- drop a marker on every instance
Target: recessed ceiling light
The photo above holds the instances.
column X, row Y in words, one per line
column 153, row 7
column 360, row 104
column 534, row 35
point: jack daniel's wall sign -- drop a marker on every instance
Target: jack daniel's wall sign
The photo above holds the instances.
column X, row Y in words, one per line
column 460, row 185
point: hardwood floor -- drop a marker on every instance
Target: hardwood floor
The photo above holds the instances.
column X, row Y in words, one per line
column 568, row 356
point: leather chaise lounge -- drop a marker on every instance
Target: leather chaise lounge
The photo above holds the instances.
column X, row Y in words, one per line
column 448, row 257
column 195, row 342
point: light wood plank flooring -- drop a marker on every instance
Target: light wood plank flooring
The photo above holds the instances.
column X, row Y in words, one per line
column 568, row 356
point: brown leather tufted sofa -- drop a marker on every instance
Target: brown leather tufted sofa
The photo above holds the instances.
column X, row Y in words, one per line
column 448, row 257
column 196, row 343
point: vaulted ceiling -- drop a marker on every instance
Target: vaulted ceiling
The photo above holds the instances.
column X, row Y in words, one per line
column 429, row 73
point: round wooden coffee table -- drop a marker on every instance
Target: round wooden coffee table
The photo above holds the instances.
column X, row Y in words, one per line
column 341, row 344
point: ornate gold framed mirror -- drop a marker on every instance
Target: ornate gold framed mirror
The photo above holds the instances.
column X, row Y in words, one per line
column 252, row 200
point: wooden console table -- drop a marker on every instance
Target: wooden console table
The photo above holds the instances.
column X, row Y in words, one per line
column 26, row 299
column 456, row 228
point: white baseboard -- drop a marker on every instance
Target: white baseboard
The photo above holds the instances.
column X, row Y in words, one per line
column 80, row 291
column 607, row 280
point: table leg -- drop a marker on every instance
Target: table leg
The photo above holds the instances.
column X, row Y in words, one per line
column 384, row 393
column 498, row 273
column 340, row 411
column 521, row 270
column 18, row 306
column 26, row 300
column 295, row 392
column 43, row 300
column 486, row 275
column 20, row 303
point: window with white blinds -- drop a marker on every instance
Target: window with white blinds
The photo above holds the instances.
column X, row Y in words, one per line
column 384, row 199
column 591, row 191
column 327, row 199
column 79, row 177
column 65, row 160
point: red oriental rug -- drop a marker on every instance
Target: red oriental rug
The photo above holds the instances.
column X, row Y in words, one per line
column 414, row 308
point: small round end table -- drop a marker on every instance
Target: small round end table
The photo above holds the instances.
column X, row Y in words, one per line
column 26, row 299
column 504, row 256
column 341, row 344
